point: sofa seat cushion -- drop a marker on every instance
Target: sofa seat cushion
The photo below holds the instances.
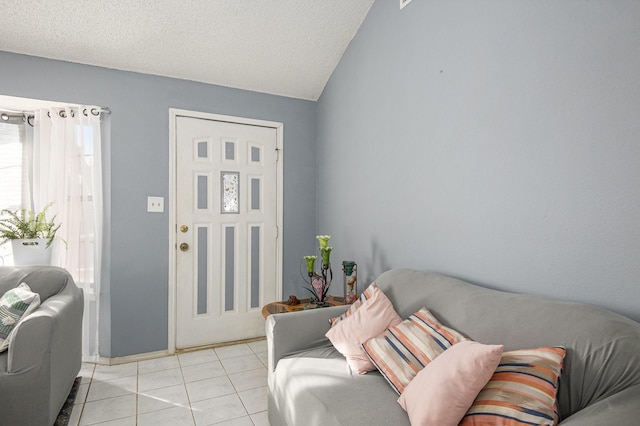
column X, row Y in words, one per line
column 317, row 387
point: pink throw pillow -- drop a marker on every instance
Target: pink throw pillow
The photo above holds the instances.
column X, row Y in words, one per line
column 366, row 295
column 443, row 391
column 373, row 317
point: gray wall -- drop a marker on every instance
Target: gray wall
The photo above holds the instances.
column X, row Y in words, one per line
column 134, row 293
column 497, row 141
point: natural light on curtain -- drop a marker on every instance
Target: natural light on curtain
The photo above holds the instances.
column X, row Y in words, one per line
column 67, row 171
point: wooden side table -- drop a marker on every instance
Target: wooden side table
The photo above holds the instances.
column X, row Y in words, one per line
column 282, row 307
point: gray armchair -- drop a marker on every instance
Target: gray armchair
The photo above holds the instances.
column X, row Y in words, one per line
column 39, row 367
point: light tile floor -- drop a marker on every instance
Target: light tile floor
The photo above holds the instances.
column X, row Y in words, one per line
column 224, row 386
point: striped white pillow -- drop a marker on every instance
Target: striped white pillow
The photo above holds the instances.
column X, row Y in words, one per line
column 521, row 391
column 403, row 350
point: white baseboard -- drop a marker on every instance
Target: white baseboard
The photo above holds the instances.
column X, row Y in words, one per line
column 132, row 358
column 159, row 354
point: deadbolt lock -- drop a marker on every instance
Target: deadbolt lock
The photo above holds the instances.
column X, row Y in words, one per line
column 184, row 228
column 184, row 246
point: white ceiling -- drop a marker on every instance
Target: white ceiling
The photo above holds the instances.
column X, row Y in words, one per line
column 20, row 105
column 282, row 47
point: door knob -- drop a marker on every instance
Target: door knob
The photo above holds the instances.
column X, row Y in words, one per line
column 184, row 228
column 184, row 246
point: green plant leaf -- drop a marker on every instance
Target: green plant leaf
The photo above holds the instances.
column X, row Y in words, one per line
column 25, row 224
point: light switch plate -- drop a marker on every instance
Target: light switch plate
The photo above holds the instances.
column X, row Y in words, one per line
column 155, row 204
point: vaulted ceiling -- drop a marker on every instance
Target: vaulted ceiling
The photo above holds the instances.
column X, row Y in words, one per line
column 282, row 47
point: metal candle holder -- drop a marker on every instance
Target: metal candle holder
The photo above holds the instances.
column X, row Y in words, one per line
column 319, row 284
column 319, row 291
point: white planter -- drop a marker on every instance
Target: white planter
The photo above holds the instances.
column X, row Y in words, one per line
column 31, row 252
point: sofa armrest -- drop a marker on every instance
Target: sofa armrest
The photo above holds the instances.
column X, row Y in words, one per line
column 30, row 344
column 291, row 333
column 623, row 408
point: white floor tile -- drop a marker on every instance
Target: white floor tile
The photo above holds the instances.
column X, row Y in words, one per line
column 74, row 418
column 176, row 416
column 81, row 395
column 254, row 400
column 259, row 346
column 241, row 363
column 110, row 372
column 207, row 370
column 233, row 351
column 108, row 409
column 159, row 379
column 249, row 379
column 86, row 372
column 110, row 388
column 127, row 421
column 240, row 421
column 158, row 364
column 225, row 386
column 263, row 358
column 217, row 410
column 260, row 419
column 163, row 398
column 197, row 357
column 209, row 388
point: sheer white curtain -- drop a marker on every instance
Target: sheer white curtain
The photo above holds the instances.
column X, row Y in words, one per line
column 66, row 170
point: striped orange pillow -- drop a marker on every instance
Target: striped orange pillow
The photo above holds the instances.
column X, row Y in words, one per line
column 366, row 295
column 521, row 391
column 403, row 350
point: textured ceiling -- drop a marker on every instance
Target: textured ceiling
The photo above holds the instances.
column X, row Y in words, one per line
column 282, row 47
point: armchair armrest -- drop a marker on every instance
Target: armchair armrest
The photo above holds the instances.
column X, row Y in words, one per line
column 53, row 330
column 30, row 344
column 291, row 333
column 622, row 408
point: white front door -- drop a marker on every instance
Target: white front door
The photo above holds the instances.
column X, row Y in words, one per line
column 226, row 229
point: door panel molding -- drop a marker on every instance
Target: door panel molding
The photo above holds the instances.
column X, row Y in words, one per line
column 174, row 114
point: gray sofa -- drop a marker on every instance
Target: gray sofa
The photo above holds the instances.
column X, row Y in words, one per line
column 310, row 383
column 39, row 367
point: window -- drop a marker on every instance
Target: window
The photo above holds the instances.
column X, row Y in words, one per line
column 11, row 140
column 56, row 159
column 12, row 136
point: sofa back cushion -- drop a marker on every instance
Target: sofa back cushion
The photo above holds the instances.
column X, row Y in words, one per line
column 603, row 348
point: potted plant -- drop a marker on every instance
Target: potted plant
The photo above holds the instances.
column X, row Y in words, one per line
column 31, row 235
